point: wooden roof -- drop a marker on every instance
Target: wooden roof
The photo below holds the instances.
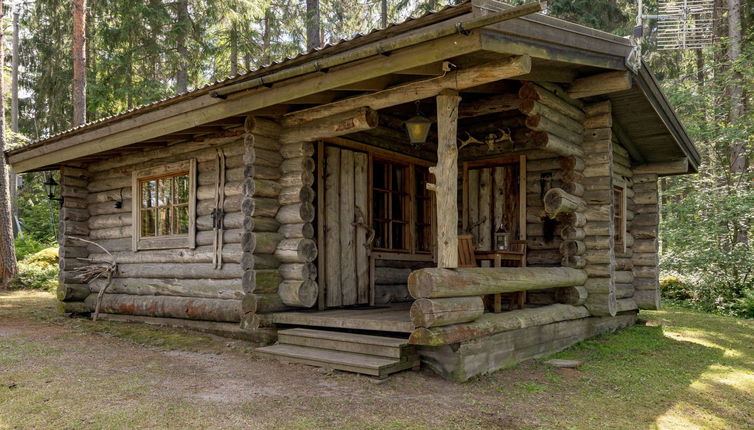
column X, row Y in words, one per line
column 560, row 51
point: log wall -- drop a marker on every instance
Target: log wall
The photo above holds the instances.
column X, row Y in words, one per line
column 74, row 217
column 178, row 283
column 643, row 228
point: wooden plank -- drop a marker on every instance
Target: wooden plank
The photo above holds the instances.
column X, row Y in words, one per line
column 485, row 209
column 473, row 204
column 602, row 83
column 499, row 198
column 332, row 226
column 322, row 261
column 347, row 230
column 361, row 194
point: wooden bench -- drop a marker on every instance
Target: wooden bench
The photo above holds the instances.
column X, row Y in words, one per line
column 515, row 257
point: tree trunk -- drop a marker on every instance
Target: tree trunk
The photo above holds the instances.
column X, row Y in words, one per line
column 79, row 62
column 266, row 57
column 737, row 108
column 233, row 50
column 8, row 267
column 383, row 14
column 183, row 24
column 312, row 25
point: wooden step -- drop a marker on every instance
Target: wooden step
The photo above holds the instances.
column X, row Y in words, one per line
column 380, row 346
column 348, row 361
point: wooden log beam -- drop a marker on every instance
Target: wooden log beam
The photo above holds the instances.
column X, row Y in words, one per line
column 456, row 80
column 440, row 312
column 169, row 307
column 446, row 179
column 491, row 323
column 603, row 83
column 463, row 282
column 558, row 201
column 201, row 288
column 298, row 293
column 675, row 167
column 352, row 121
column 494, row 104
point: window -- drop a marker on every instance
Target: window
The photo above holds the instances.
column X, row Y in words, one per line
column 163, row 206
column 402, row 208
column 619, row 218
column 390, row 199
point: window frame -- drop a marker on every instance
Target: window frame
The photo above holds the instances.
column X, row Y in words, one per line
column 172, row 241
column 619, row 217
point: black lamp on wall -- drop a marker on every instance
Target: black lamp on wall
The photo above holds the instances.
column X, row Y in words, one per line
column 50, row 188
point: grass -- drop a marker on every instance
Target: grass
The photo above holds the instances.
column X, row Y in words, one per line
column 677, row 369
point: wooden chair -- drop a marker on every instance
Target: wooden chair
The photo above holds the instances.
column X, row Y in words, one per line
column 515, row 257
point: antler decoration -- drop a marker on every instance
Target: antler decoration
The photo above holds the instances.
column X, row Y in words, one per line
column 490, row 140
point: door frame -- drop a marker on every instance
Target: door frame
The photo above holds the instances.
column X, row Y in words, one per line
column 373, row 255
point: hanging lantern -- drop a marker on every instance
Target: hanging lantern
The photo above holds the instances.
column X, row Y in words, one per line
column 50, row 188
column 418, row 127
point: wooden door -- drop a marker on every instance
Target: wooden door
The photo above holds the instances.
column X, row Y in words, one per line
column 344, row 219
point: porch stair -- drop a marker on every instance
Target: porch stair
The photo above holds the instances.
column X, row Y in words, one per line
column 352, row 352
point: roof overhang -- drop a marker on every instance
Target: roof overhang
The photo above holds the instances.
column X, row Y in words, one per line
column 546, row 39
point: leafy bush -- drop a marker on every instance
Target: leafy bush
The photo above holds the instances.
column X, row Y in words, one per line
column 28, row 245
column 673, row 288
column 38, row 271
column 744, row 306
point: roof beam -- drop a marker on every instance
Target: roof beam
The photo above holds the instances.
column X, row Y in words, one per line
column 203, row 109
column 602, row 83
column 664, row 168
column 624, row 140
column 455, row 80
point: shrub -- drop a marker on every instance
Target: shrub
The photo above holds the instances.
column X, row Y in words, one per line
column 673, row 288
column 38, row 271
column 744, row 307
column 28, row 245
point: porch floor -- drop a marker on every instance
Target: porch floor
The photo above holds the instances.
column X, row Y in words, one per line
column 389, row 318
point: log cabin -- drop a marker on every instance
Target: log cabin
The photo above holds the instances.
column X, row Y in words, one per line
column 291, row 205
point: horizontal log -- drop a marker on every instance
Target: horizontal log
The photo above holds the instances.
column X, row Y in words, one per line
column 298, row 271
column 645, row 259
column 294, row 231
column 441, row 312
column 263, row 303
column 359, row 119
column 491, row 323
column 572, row 248
column 602, row 304
column 647, row 299
column 296, row 251
column 232, row 220
column 266, row 261
column 298, row 293
column 178, row 271
column 229, row 236
column 201, row 254
column 298, row 164
column 674, row 167
column 231, row 204
column 547, row 257
column 296, row 214
column 532, row 107
column 296, row 194
column 169, row 307
column 202, row 288
column 74, row 307
column 624, row 291
column 110, row 221
column 557, row 201
column 438, row 282
column 72, row 292
column 535, row 92
column 296, row 150
column 267, row 243
column 575, row 296
column 573, row 261
column 108, row 233
column 264, row 224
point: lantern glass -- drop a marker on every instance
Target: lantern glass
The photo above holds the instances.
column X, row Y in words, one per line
column 50, row 186
column 418, row 128
column 502, row 241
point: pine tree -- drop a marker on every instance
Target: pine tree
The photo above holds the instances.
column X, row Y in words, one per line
column 79, row 62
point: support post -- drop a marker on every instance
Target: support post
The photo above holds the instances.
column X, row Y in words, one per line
column 446, row 179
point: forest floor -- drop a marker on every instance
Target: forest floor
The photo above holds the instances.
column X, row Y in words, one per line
column 676, row 369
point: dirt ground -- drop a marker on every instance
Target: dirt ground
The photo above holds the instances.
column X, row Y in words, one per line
column 63, row 373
